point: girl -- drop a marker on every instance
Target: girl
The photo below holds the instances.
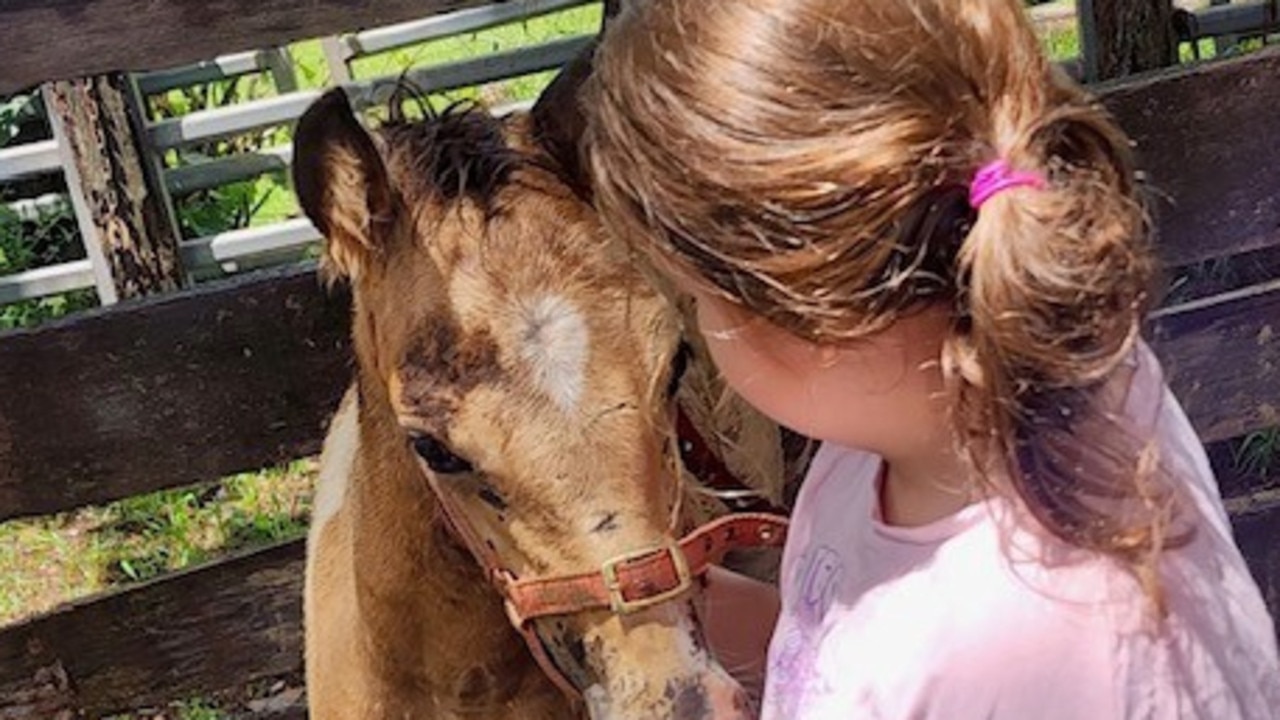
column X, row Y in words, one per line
column 909, row 237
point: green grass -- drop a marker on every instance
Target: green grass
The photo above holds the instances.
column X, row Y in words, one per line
column 312, row 71
column 45, row 562
column 1258, row 453
column 48, row 561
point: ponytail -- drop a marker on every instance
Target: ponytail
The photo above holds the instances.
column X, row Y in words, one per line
column 1052, row 286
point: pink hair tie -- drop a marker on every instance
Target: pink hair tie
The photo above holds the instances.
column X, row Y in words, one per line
column 996, row 177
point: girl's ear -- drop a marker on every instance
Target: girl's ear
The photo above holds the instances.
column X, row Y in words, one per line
column 342, row 184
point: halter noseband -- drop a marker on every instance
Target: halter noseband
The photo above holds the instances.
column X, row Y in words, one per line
column 632, row 581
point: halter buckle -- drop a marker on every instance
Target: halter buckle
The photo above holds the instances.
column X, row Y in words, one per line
column 613, row 580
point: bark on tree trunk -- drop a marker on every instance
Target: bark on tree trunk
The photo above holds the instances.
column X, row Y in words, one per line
column 1131, row 36
column 124, row 199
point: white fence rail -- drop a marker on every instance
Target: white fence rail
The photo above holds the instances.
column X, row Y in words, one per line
column 30, row 159
column 51, row 280
column 392, row 37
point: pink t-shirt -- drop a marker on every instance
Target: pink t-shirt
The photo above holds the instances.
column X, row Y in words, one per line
column 961, row 619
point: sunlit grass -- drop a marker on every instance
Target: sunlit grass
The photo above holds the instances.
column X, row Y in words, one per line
column 48, row 561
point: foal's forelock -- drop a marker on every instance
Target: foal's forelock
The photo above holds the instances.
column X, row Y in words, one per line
column 460, row 153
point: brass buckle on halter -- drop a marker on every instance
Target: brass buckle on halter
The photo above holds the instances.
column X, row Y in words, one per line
column 613, row 582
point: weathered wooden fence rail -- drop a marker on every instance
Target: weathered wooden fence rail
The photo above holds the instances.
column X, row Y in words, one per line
column 242, row 373
column 138, row 35
column 1248, row 18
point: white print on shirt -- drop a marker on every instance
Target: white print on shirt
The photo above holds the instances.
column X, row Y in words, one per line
column 793, row 668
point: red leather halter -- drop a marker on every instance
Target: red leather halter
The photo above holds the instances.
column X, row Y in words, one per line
column 632, row 581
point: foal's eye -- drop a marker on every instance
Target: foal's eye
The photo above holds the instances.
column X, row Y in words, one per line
column 679, row 366
column 438, row 457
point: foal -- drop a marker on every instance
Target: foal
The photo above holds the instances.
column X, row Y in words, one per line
column 511, row 359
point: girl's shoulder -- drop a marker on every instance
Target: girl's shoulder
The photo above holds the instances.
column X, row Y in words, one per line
column 962, row 630
column 987, row 616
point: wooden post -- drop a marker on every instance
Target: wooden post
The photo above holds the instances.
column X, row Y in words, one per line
column 123, row 204
column 1125, row 37
column 90, row 237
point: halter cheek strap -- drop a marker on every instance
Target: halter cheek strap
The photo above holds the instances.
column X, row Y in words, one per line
column 629, row 582
column 997, row 176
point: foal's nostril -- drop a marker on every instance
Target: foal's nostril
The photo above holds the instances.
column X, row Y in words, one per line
column 688, row 700
column 720, row 701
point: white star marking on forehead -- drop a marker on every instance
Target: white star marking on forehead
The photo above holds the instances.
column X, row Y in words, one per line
column 555, row 343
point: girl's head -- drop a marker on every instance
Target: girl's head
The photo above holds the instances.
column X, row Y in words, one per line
column 809, row 163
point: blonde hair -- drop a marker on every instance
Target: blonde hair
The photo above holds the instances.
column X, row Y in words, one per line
column 809, row 160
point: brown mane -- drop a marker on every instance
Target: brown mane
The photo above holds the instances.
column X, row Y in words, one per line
column 458, row 153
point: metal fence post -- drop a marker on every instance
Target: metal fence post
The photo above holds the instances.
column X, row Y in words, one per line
column 336, row 56
column 280, row 66
column 1088, row 23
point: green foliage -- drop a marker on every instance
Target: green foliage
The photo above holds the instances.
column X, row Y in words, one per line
column 199, row 710
column 260, row 201
column 29, row 313
column 1061, row 42
column 15, row 254
column 15, row 112
column 238, row 205
column 47, row 238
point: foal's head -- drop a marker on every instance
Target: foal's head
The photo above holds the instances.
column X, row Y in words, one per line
column 524, row 364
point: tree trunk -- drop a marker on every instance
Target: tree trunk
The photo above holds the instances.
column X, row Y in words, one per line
column 1128, row 36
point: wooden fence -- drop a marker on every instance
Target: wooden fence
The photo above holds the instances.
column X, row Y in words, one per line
column 242, row 373
column 236, row 250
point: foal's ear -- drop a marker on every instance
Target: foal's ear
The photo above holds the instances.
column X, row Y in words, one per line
column 341, row 183
column 559, row 122
column 558, row 118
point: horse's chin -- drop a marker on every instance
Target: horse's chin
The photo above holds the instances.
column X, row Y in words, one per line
column 712, row 695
